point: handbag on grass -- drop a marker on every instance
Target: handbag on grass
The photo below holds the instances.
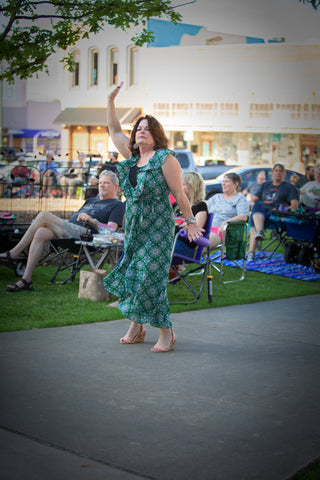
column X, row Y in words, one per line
column 91, row 285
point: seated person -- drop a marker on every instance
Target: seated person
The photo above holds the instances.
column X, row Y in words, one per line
column 106, row 209
column 294, row 178
column 308, row 177
column 49, row 174
column 229, row 206
column 270, row 196
column 65, row 180
column 73, row 177
column 251, row 189
column 20, row 174
column 112, row 164
column 194, row 188
column 310, row 192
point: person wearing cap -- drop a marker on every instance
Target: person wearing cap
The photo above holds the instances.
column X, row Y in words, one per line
column 270, row 195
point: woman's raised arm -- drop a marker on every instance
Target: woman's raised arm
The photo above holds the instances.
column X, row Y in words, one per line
column 120, row 140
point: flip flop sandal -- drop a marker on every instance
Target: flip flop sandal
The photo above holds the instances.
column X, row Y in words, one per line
column 15, row 288
column 8, row 261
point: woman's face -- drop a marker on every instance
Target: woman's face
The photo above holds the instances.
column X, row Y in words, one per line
column 278, row 174
column 228, row 186
column 143, row 135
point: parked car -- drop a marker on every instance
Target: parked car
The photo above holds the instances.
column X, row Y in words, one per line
column 186, row 160
column 213, row 168
column 248, row 175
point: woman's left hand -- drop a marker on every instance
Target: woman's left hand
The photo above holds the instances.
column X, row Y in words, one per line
column 194, row 231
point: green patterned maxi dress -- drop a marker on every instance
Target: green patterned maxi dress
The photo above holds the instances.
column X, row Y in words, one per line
column 140, row 279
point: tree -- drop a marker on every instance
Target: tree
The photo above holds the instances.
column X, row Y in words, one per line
column 314, row 3
column 32, row 30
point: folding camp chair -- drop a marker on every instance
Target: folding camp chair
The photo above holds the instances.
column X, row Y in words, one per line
column 231, row 249
column 277, row 238
column 71, row 254
column 200, row 264
column 67, row 255
column 10, row 234
column 301, row 235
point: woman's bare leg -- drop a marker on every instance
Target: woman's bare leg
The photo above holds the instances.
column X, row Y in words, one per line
column 36, row 249
column 214, row 240
column 135, row 331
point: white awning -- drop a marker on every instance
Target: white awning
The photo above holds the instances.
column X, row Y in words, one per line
column 95, row 116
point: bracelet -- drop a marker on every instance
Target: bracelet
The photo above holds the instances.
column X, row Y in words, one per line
column 190, row 220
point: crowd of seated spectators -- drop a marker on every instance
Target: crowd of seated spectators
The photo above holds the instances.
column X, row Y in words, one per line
column 48, row 179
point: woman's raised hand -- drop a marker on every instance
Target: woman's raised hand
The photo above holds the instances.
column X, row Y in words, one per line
column 114, row 92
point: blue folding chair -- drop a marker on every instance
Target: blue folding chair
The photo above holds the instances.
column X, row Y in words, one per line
column 200, row 265
column 301, row 235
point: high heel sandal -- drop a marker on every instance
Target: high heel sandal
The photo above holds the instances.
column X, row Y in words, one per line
column 156, row 349
column 138, row 338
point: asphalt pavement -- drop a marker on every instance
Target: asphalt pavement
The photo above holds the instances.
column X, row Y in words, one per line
column 237, row 399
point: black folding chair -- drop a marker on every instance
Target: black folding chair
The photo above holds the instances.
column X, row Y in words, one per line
column 10, row 234
column 67, row 255
column 277, row 238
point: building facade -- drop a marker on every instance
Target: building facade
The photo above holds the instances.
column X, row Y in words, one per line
column 242, row 100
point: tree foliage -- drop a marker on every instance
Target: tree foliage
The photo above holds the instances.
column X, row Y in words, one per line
column 314, row 3
column 32, row 30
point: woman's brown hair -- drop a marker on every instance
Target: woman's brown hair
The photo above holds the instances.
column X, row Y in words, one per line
column 156, row 130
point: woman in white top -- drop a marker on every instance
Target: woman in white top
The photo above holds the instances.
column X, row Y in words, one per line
column 229, row 206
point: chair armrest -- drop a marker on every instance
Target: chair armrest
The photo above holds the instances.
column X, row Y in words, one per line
column 203, row 241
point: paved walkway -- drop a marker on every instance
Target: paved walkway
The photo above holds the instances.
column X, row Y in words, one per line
column 238, row 398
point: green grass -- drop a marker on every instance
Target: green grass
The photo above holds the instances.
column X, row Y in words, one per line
column 55, row 305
